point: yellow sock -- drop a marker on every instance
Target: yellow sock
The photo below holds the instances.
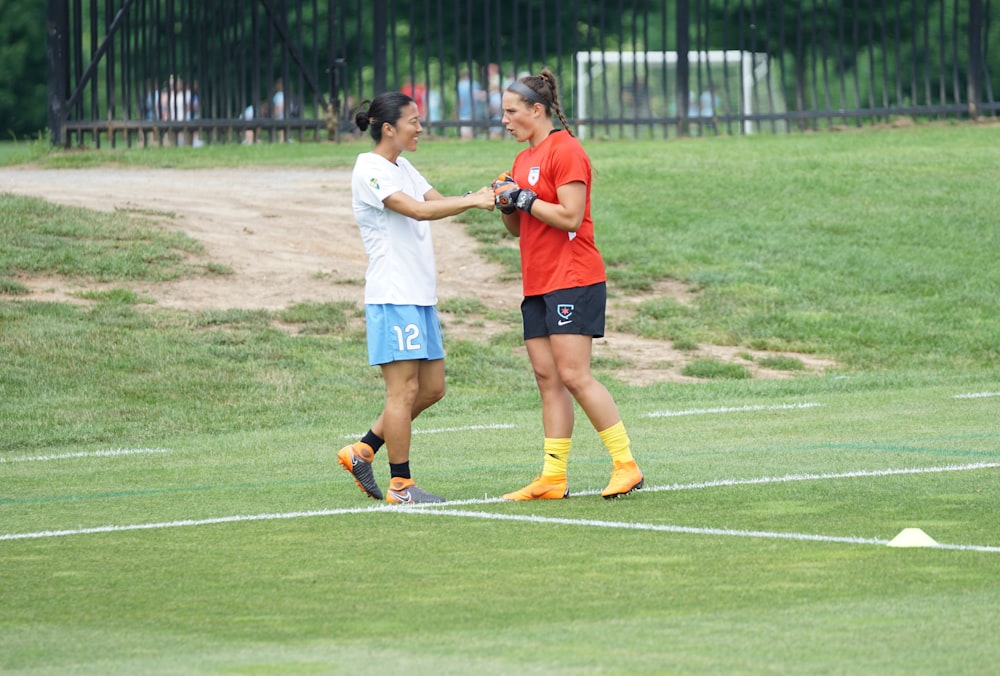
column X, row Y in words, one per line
column 556, row 456
column 617, row 441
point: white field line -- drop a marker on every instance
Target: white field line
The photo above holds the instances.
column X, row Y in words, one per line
column 440, row 430
column 654, row 414
column 495, row 426
column 690, row 530
column 814, row 477
column 729, row 409
column 90, row 454
column 447, row 509
column 239, row 518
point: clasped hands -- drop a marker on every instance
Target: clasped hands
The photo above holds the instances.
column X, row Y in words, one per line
column 509, row 196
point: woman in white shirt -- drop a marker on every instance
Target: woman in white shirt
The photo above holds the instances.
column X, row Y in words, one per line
column 393, row 204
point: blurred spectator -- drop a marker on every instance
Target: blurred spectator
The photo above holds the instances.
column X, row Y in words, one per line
column 471, row 102
column 418, row 93
column 636, row 98
column 495, row 100
column 708, row 104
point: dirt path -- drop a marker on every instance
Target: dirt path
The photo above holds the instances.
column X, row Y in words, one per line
column 289, row 235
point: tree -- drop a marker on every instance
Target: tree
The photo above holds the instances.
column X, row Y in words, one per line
column 23, row 68
column 820, row 39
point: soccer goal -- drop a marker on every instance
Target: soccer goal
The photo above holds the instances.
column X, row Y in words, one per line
column 633, row 88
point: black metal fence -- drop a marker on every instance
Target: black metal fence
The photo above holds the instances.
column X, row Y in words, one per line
column 220, row 71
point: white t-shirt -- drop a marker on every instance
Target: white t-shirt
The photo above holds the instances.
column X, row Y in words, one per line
column 401, row 268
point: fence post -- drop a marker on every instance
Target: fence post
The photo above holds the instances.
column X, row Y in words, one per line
column 57, row 41
column 380, row 36
column 683, row 74
column 975, row 55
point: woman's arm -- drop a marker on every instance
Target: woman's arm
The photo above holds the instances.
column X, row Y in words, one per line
column 437, row 206
column 512, row 222
column 567, row 213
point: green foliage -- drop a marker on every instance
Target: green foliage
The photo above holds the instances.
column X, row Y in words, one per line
column 836, row 55
column 23, row 68
column 874, row 43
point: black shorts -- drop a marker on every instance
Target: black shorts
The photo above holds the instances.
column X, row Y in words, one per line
column 577, row 310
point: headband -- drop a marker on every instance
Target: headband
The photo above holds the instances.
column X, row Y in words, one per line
column 527, row 92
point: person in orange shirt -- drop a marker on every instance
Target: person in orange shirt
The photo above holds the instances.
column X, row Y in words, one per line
column 418, row 93
column 545, row 202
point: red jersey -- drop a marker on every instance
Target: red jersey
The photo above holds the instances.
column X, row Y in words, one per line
column 418, row 93
column 553, row 259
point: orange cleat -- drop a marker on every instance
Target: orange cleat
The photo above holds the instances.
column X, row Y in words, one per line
column 625, row 478
column 542, row 488
column 405, row 492
column 357, row 459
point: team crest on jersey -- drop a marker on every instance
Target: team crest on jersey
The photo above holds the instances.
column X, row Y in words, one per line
column 565, row 310
column 373, row 182
column 533, row 174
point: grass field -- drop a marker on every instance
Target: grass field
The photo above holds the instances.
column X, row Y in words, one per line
column 170, row 500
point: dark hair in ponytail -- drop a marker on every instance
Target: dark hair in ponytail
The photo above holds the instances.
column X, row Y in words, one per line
column 386, row 107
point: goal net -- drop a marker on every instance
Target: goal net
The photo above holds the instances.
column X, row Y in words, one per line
column 631, row 93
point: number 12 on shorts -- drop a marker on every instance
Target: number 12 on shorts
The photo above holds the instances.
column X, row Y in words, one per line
column 407, row 337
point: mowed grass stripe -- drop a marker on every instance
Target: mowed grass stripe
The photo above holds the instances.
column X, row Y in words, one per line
column 87, row 454
column 448, row 508
column 690, row 530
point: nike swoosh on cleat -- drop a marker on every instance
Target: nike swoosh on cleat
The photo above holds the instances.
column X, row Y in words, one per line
column 402, row 497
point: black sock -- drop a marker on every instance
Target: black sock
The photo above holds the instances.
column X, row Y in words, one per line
column 400, row 470
column 373, row 440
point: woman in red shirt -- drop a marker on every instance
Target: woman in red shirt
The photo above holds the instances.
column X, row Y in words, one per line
column 545, row 201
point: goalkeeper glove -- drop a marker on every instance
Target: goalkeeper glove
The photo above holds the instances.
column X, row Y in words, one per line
column 509, row 196
column 525, row 199
column 505, row 191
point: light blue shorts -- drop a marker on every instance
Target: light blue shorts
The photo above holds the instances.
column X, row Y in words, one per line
column 403, row 332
